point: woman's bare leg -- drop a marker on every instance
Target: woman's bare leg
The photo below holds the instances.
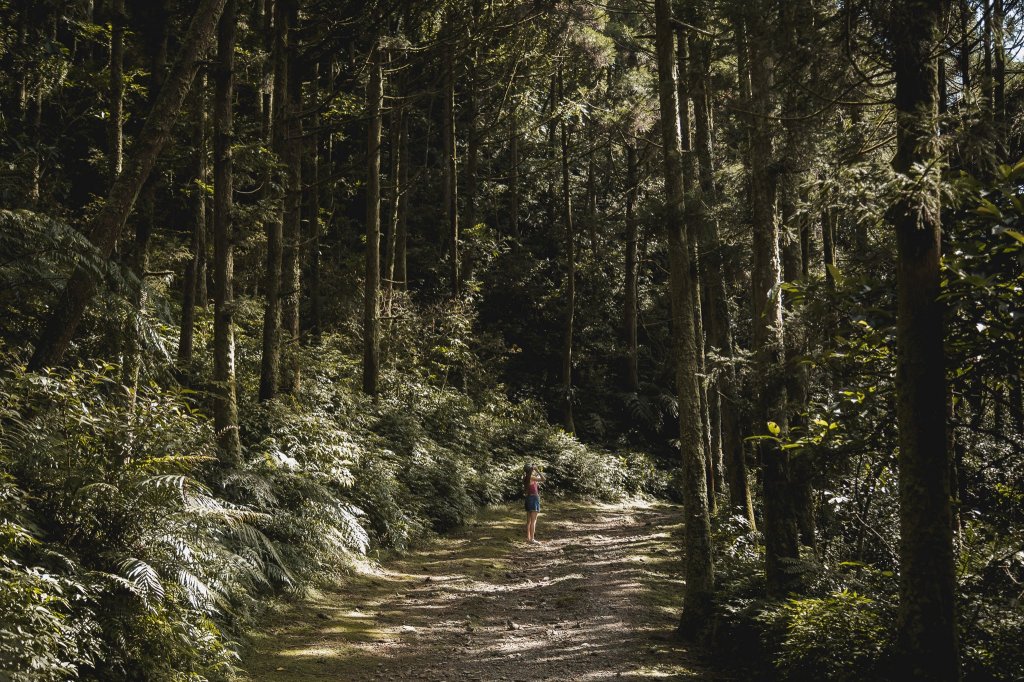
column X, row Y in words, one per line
column 533, row 525
column 529, row 526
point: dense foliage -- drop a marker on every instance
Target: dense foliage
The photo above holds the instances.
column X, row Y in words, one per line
column 450, row 226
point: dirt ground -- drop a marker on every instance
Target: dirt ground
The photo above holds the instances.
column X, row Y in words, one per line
column 597, row 600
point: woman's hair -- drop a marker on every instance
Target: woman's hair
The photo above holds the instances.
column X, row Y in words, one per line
column 527, row 475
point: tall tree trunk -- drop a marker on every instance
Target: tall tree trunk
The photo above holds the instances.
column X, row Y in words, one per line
column 963, row 55
column 699, row 573
column 693, row 208
column 722, row 391
column 270, row 361
column 999, row 76
column 105, row 227
column 401, row 275
column 926, row 620
column 797, row 112
column 472, row 174
column 225, row 403
column 451, row 193
column 317, row 152
column 592, row 191
column 513, row 181
column 117, row 21
column 267, row 80
column 195, row 271
column 630, row 311
column 780, row 529
column 371, row 332
column 570, row 274
column 395, row 190
column 291, row 256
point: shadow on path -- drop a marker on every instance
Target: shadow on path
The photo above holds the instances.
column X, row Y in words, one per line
column 595, row 601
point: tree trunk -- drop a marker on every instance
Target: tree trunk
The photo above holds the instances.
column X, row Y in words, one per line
column 722, row 399
column 999, row 77
column 780, row 529
column 317, row 152
column 630, row 311
column 451, row 202
column 395, row 191
column 570, row 274
column 927, row 636
column 291, row 257
column 195, row 271
column 401, row 275
column 513, row 182
column 117, row 21
column 699, row 573
column 693, row 209
column 270, row 361
column 797, row 112
column 371, row 332
column 105, row 228
column 225, row 403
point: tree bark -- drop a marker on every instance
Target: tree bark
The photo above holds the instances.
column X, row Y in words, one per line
column 722, row 391
column 317, row 153
column 692, row 211
column 195, row 271
column 450, row 179
column 699, row 573
column 117, row 21
column 225, row 403
column 105, row 228
column 513, row 182
column 797, row 112
column 570, row 273
column 401, row 275
column 270, row 360
column 780, row 529
column 291, row 257
column 395, row 190
column 630, row 311
column 371, row 332
column 926, row 620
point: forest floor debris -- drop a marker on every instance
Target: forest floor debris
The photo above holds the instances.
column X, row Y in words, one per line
column 597, row 600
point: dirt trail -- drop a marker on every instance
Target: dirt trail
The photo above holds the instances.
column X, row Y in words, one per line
column 595, row 601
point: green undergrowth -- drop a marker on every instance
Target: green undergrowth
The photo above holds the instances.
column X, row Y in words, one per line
column 127, row 551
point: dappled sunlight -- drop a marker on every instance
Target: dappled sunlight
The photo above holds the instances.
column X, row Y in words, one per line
column 592, row 601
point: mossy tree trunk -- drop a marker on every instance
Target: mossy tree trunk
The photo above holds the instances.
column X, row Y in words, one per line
column 699, row 573
column 927, row 635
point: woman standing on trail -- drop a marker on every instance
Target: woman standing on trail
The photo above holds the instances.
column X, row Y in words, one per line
column 532, row 477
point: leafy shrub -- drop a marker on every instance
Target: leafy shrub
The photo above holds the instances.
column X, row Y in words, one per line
column 843, row 636
column 115, row 555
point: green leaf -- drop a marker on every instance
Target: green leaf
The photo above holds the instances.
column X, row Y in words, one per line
column 987, row 208
column 774, row 429
column 1016, row 235
column 836, row 274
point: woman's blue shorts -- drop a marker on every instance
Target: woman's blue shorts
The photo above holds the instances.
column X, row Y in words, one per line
column 533, row 503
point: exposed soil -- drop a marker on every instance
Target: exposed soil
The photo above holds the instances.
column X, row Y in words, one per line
column 597, row 600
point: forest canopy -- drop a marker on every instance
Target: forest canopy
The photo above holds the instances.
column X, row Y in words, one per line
column 286, row 282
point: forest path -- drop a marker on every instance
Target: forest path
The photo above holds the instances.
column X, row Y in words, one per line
column 597, row 600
